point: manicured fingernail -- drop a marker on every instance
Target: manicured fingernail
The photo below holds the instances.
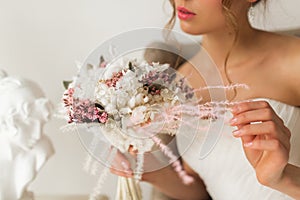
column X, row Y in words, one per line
column 248, row 144
column 233, row 121
column 125, row 165
column 237, row 133
column 129, row 172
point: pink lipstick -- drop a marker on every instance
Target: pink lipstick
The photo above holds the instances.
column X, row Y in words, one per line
column 184, row 14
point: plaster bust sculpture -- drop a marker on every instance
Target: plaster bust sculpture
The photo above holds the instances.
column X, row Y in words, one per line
column 24, row 149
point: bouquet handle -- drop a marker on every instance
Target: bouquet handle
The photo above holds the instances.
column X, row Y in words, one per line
column 128, row 189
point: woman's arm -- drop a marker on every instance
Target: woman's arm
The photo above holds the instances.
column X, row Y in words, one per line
column 290, row 182
column 167, row 181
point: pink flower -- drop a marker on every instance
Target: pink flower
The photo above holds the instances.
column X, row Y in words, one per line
column 103, row 64
column 80, row 111
column 103, row 118
column 113, row 81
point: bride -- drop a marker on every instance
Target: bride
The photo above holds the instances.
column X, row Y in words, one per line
column 257, row 156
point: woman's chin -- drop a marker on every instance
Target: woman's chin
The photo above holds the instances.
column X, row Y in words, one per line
column 190, row 29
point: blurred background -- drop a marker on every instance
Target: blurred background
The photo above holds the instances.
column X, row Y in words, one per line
column 42, row 39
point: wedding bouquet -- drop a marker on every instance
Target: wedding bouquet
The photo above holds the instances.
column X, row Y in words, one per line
column 130, row 102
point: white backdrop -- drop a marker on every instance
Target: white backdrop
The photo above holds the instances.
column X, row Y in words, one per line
column 42, row 39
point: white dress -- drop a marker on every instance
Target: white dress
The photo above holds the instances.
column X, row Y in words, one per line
column 225, row 170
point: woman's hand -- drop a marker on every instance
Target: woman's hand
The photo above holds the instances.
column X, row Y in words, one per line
column 265, row 138
column 121, row 166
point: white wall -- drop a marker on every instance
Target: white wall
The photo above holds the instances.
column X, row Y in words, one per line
column 41, row 40
column 279, row 15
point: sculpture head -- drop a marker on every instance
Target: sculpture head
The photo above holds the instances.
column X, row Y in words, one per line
column 23, row 111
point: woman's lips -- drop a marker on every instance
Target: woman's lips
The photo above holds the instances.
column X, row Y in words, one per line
column 184, row 14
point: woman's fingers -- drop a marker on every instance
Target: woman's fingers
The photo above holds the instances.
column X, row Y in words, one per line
column 268, row 129
column 258, row 125
column 253, row 111
column 120, row 164
column 245, row 138
column 266, row 145
column 121, row 173
column 247, row 106
column 251, row 116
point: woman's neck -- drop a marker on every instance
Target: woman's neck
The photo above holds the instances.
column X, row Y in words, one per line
column 220, row 43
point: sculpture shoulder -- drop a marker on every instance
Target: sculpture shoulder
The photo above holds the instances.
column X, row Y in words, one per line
column 42, row 151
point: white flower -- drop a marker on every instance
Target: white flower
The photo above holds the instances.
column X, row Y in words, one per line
column 146, row 99
column 103, row 101
column 130, row 105
column 102, row 89
column 138, row 115
column 160, row 68
column 125, row 111
column 110, row 70
column 152, row 115
column 122, row 99
column 131, row 102
column 111, row 108
column 139, row 98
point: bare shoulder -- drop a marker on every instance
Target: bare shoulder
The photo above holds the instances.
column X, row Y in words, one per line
column 292, row 49
column 283, row 61
column 292, row 60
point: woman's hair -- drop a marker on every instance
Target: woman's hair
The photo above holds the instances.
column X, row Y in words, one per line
column 232, row 23
column 162, row 53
